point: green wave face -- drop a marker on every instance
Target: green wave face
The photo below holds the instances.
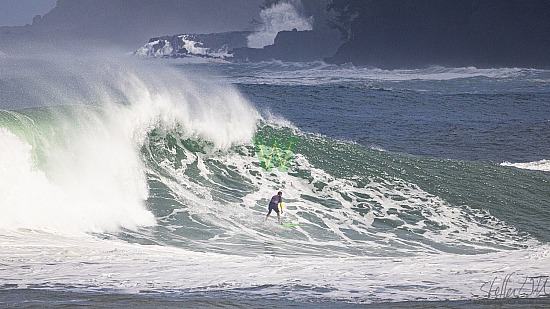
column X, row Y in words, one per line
column 191, row 164
column 346, row 199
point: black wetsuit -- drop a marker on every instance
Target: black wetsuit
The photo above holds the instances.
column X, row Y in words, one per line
column 274, row 203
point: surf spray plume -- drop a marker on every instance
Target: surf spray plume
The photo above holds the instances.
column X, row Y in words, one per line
column 77, row 166
column 280, row 16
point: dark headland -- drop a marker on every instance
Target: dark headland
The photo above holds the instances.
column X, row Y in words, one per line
column 452, row 33
column 386, row 34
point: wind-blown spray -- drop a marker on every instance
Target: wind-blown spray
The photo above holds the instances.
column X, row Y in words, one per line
column 281, row 16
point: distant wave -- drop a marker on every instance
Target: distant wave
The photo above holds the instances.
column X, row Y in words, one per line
column 542, row 165
column 315, row 73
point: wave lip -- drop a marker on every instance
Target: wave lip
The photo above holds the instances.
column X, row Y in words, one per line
column 78, row 166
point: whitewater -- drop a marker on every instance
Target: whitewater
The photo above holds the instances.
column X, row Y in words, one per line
column 139, row 182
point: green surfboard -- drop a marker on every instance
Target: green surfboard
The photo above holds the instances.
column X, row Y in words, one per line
column 289, row 224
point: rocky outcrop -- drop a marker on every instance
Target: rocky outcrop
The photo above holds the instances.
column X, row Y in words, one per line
column 215, row 45
column 298, row 46
column 293, row 46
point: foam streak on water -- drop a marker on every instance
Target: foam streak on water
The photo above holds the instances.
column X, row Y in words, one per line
column 60, row 262
column 279, row 73
column 542, row 165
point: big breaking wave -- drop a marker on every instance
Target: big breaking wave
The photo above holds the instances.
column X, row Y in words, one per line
column 136, row 153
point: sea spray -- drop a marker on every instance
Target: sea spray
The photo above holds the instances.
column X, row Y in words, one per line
column 281, row 16
column 80, row 167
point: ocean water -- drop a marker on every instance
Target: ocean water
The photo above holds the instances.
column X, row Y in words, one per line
column 138, row 183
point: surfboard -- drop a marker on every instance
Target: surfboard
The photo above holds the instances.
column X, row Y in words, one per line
column 287, row 224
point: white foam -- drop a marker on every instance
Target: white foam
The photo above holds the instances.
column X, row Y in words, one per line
column 148, row 50
column 342, row 229
column 92, row 176
column 85, row 190
column 321, row 73
column 53, row 261
column 193, row 47
column 542, row 165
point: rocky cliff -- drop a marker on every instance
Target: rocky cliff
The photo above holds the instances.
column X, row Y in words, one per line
column 409, row 33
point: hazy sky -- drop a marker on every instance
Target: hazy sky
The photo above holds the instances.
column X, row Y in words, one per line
column 21, row 12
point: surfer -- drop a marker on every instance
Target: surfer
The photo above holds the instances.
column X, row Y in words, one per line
column 276, row 200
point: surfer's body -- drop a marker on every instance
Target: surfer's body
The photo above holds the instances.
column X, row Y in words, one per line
column 276, row 201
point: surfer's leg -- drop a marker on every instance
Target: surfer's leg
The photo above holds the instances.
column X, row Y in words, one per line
column 276, row 209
